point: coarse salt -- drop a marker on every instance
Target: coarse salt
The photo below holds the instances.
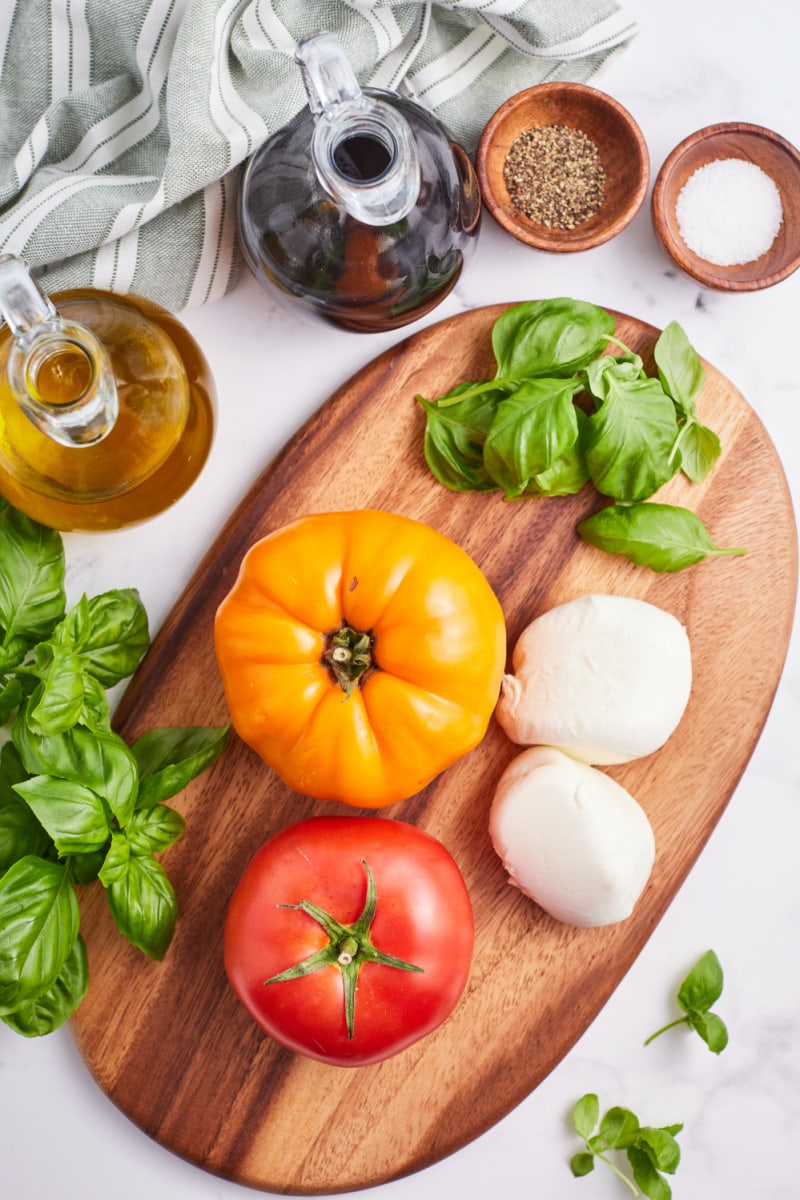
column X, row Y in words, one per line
column 729, row 212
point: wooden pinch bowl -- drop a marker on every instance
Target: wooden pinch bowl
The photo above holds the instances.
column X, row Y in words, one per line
column 620, row 144
column 777, row 157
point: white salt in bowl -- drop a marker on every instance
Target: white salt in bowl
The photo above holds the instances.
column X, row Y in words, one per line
column 745, row 214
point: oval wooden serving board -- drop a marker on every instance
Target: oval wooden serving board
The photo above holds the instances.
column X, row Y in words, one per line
column 170, row 1044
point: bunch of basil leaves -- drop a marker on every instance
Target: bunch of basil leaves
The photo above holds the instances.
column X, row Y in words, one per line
column 523, row 434
column 77, row 804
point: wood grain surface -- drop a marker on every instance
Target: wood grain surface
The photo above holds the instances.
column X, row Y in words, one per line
column 169, row 1043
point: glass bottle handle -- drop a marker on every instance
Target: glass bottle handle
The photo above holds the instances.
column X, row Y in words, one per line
column 342, row 113
column 57, row 370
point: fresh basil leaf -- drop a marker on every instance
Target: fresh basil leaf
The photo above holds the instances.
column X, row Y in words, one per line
column 11, row 771
column 679, row 367
column 118, row 635
column 20, row 835
column 40, row 919
column 32, row 596
column 711, row 1028
column 618, row 1127
column 647, row 1176
column 549, row 337
column 49, row 1010
column 630, row 438
column 602, row 373
column 144, row 906
column 661, row 1147
column 100, row 760
column 152, row 830
column 11, row 695
column 168, row 759
column 115, row 864
column 568, row 473
column 581, row 1164
column 73, row 630
column 73, row 815
column 85, row 868
column 586, row 1114
column 56, row 703
column 95, row 712
column 699, row 448
column 533, row 427
column 661, row 536
column 702, row 987
column 454, row 437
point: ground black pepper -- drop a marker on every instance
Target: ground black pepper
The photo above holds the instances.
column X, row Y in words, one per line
column 555, row 176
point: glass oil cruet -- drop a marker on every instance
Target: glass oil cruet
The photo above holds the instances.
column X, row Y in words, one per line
column 362, row 209
column 106, row 404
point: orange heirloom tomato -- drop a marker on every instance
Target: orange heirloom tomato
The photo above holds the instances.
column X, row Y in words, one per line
column 361, row 653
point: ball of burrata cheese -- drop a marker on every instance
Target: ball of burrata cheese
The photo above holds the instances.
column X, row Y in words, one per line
column 604, row 678
column 571, row 838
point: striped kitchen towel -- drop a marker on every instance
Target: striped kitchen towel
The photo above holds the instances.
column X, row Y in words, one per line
column 124, row 123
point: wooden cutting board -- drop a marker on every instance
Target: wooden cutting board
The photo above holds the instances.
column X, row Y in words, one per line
column 170, row 1044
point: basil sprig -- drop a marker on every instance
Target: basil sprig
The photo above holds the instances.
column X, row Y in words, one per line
column 523, row 433
column 701, row 988
column 652, row 1152
column 77, row 804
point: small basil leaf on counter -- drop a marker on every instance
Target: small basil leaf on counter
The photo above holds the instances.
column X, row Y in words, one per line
column 664, row 537
column 49, row 1010
column 649, row 1150
column 618, row 1127
column 549, row 337
column 646, row 1175
column 581, row 1164
column 144, row 906
column 701, row 988
column 169, row 759
column 40, row 921
column 586, row 1114
column 72, row 814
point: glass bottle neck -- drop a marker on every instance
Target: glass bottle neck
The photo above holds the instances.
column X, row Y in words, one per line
column 57, row 369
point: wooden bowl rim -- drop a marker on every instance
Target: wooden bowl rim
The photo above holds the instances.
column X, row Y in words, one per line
column 539, row 236
column 677, row 249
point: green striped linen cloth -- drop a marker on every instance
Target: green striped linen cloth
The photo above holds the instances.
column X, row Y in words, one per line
column 124, row 123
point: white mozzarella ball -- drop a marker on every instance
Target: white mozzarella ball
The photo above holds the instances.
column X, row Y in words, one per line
column 604, row 678
column 571, row 838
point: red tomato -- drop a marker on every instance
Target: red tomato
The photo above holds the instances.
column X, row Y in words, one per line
column 307, row 892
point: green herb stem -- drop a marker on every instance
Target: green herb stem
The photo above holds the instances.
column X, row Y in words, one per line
column 664, row 1028
column 625, row 1179
column 478, row 389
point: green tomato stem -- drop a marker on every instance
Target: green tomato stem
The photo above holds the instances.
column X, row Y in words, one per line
column 349, row 948
column 348, row 655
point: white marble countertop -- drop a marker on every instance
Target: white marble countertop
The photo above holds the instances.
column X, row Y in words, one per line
column 692, row 64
